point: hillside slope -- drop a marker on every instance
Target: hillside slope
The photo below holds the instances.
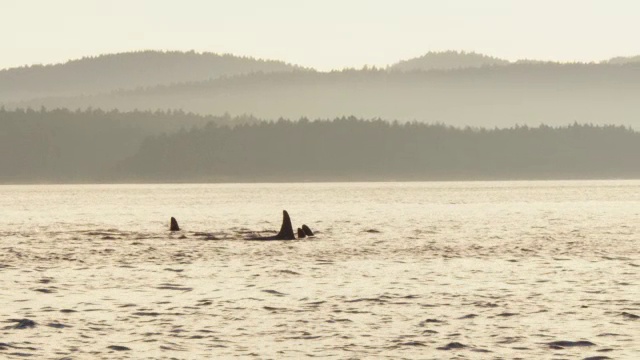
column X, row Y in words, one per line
column 554, row 94
column 106, row 73
column 447, row 60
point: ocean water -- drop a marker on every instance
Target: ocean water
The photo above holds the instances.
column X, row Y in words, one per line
column 452, row 270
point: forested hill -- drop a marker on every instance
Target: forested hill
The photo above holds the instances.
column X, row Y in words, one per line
column 502, row 96
column 453, row 60
column 624, row 60
column 447, row 60
column 356, row 150
column 105, row 73
column 96, row 146
column 83, row 146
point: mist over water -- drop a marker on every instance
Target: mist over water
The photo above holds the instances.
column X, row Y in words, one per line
column 396, row 270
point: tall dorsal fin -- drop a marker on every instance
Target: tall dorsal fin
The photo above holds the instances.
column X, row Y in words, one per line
column 174, row 225
column 286, row 230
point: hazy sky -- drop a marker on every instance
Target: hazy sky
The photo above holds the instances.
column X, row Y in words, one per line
column 323, row 34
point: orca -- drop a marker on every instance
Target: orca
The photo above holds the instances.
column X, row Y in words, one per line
column 306, row 230
column 174, row 225
column 286, row 230
column 301, row 234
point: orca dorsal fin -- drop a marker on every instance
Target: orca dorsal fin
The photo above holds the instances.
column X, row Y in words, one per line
column 301, row 234
column 286, row 230
column 307, row 231
column 174, row 225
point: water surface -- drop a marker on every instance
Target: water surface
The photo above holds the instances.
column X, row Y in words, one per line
column 397, row 270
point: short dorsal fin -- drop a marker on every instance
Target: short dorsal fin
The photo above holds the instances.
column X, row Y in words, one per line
column 307, row 231
column 174, row 225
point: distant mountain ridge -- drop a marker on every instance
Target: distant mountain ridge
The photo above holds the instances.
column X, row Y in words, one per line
column 455, row 88
column 624, row 59
column 456, row 60
column 447, row 60
column 551, row 93
column 130, row 70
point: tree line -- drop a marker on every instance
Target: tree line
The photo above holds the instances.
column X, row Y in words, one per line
column 83, row 145
column 355, row 149
column 98, row 146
